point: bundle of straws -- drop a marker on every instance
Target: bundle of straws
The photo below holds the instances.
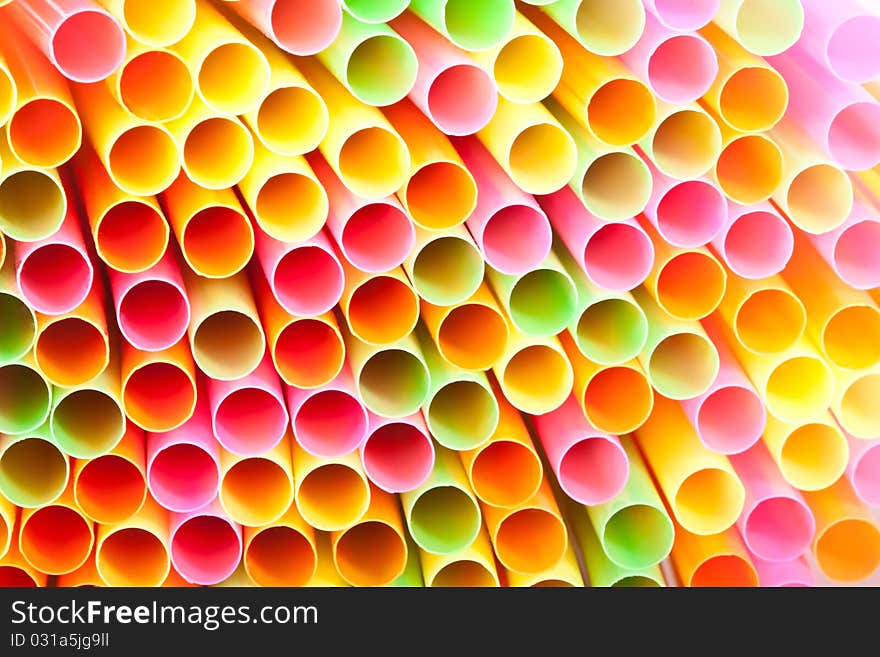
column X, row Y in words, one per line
column 439, row 292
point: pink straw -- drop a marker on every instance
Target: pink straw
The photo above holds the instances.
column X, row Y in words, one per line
column 300, row 28
column 328, row 421
column 845, row 35
column 457, row 95
column 206, row 546
column 83, row 41
column 373, row 235
column 183, row 465
column 679, row 68
column 729, row 417
column 55, row 274
column 508, row 225
column 864, row 469
column 851, row 248
column 796, row 572
column 305, row 277
column 617, row 256
column 756, row 243
column 776, row 523
column 152, row 308
column 683, row 15
column 591, row 466
column 248, row 415
column 398, row 454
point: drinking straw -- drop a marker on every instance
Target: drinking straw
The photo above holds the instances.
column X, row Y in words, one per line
column 231, row 73
column 679, row 67
column 844, row 37
column 225, row 334
column 42, row 98
column 154, row 23
column 541, row 302
column 685, row 143
column 183, row 464
column 526, row 65
column 590, row 466
column 508, row 225
column 286, row 198
column 16, row 572
column 847, row 542
column 55, row 273
column 473, row 566
column 295, row 27
column 326, row 574
column 461, row 411
column 686, row 213
column 776, row 524
column 257, row 490
column 840, row 118
column 130, row 233
column 154, row 84
column 248, row 415
column 373, row 235
column 74, row 348
column 281, row 554
column 8, row 91
column 158, row 387
column 328, row 421
column 450, row 89
column 612, row 182
column 847, row 248
column 331, row 494
column 810, row 455
column 86, row 576
column 215, row 236
column 599, row 569
column 379, row 309
column 750, row 167
column 361, row 147
column 141, row 158
column 88, row 421
column 529, row 538
column 730, row 416
column 608, row 327
column 765, row 315
column 112, row 487
column 601, row 26
column 411, row 577
column 392, row 380
column 152, row 308
column 397, row 454
column 763, row 27
column 238, row 579
column 784, row 573
column 701, row 487
column 134, row 552
column 616, row 399
column 84, row 42
column 505, row 471
column 683, row 15
column 308, row 352
column 678, row 358
column 862, row 469
column 531, row 146
column 206, row 546
column 615, row 255
column 444, row 267
column 853, row 404
column 599, row 91
column 8, row 513
column 25, row 397
column 756, row 242
column 442, row 514
column 23, row 455
column 534, row 373
column 33, row 203
column 374, row 551
column 717, row 560
column 566, row 573
column 472, row 26
column 56, row 538
column 742, row 77
column 19, row 328
column 215, row 151
column 845, row 323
